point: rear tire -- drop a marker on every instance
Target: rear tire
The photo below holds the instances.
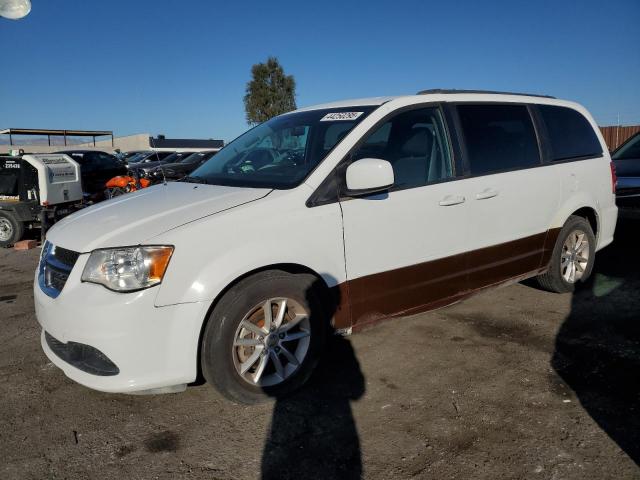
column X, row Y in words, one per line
column 249, row 357
column 572, row 258
column 11, row 229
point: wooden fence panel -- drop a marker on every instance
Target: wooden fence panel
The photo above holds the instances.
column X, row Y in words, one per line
column 615, row 136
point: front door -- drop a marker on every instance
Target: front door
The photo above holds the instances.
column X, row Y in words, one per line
column 404, row 249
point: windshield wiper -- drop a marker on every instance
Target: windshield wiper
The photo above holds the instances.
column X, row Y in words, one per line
column 190, row 179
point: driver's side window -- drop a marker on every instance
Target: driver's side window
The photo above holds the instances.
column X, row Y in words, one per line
column 416, row 145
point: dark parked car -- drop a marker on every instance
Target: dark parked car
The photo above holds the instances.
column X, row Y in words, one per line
column 149, row 159
column 96, row 168
column 177, row 170
column 146, row 166
column 627, row 161
column 126, row 156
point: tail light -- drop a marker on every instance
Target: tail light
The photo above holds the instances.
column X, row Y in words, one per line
column 614, row 177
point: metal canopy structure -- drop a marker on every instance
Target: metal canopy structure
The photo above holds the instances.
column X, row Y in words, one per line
column 41, row 132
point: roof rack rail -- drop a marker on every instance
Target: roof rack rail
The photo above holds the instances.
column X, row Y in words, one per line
column 453, row 90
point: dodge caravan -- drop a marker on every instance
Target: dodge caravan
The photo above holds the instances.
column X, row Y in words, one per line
column 326, row 219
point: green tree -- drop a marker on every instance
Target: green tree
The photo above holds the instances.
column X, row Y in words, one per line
column 269, row 93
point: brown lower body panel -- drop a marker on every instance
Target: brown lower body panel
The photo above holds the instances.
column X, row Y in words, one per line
column 433, row 284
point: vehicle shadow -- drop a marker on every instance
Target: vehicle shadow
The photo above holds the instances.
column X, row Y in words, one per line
column 313, row 433
column 597, row 349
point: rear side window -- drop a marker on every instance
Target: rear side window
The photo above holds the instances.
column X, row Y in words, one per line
column 498, row 137
column 570, row 134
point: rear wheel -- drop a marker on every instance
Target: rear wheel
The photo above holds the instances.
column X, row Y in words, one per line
column 572, row 258
column 264, row 337
column 11, row 229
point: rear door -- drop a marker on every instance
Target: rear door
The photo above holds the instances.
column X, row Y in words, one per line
column 403, row 249
column 512, row 196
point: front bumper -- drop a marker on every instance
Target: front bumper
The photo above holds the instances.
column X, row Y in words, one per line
column 152, row 347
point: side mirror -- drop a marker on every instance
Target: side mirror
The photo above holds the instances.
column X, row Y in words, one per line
column 369, row 175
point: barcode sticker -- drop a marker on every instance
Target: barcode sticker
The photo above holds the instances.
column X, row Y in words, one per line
column 331, row 117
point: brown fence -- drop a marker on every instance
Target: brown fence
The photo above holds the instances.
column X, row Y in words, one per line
column 615, row 136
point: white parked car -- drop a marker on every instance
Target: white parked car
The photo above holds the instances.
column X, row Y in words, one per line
column 324, row 219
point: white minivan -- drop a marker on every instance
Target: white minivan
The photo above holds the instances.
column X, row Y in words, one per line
column 322, row 220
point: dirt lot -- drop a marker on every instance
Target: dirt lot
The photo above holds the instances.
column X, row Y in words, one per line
column 514, row 383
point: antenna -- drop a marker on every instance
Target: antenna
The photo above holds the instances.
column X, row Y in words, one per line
column 151, row 139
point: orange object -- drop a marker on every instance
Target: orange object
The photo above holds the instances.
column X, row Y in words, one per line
column 159, row 261
column 26, row 245
column 126, row 183
column 121, row 181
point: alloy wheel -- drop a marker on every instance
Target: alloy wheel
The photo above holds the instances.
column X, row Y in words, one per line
column 271, row 342
column 575, row 256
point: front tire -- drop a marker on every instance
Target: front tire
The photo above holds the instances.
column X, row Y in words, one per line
column 264, row 337
column 572, row 258
column 11, row 229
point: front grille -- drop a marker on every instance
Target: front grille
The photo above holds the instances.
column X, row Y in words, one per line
column 56, row 264
column 84, row 357
column 67, row 257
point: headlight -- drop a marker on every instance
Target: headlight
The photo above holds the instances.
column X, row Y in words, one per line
column 129, row 268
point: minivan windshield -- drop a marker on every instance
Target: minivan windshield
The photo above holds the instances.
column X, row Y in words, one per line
column 281, row 152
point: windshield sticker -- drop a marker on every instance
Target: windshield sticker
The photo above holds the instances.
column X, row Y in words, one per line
column 330, row 117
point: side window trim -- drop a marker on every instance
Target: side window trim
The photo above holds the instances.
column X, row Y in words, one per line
column 465, row 156
column 329, row 191
column 457, row 140
column 542, row 134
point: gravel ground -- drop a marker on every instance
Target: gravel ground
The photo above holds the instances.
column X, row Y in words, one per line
column 513, row 383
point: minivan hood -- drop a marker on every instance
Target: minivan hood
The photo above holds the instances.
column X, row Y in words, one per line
column 133, row 218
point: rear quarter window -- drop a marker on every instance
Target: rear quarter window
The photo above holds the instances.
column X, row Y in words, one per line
column 570, row 134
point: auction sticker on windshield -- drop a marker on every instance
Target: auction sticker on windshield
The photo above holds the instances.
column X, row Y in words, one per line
column 329, row 117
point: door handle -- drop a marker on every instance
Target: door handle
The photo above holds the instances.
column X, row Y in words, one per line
column 451, row 200
column 486, row 193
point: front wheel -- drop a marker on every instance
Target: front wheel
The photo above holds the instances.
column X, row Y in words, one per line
column 11, row 229
column 572, row 258
column 264, row 337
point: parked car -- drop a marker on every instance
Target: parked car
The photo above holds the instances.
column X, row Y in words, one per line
column 125, row 156
column 149, row 158
column 96, row 168
column 329, row 218
column 627, row 163
column 177, row 170
column 149, row 166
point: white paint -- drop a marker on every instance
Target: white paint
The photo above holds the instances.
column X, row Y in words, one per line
column 369, row 174
column 222, row 233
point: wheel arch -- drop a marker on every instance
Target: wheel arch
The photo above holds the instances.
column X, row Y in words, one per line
column 582, row 205
column 591, row 216
column 291, row 268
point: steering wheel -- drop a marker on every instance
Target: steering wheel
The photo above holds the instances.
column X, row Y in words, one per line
column 258, row 158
